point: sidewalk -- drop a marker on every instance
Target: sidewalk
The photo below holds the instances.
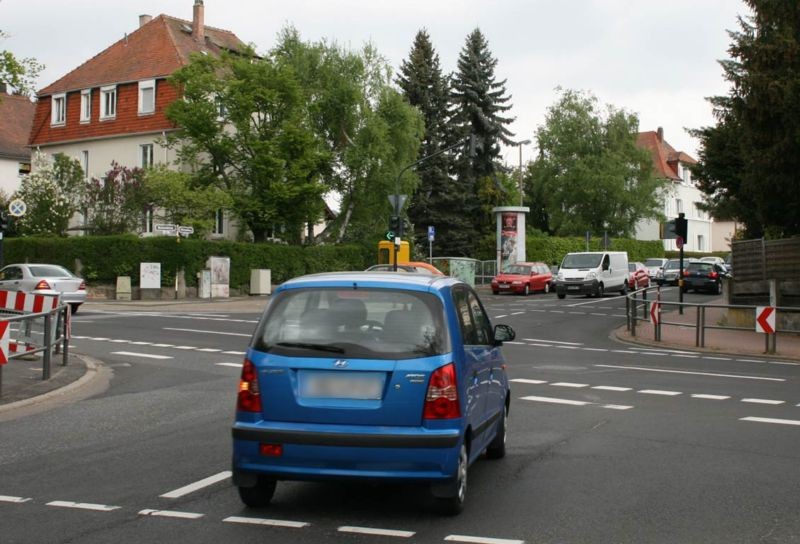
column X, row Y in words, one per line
column 22, row 378
column 737, row 342
column 243, row 304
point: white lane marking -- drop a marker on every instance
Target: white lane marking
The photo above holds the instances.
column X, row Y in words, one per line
column 80, row 337
column 618, row 315
column 98, row 338
column 557, row 401
column 771, row 420
column 500, row 316
column 209, row 350
column 710, row 397
column 269, row 522
column 616, row 406
column 687, row 356
column 525, row 380
column 764, row 401
column 185, row 347
column 693, row 373
column 205, row 482
column 481, row 540
column 782, row 363
column 624, row 351
column 208, row 332
column 591, row 302
column 577, row 313
column 83, row 506
column 119, row 341
column 594, row 349
column 611, row 388
column 567, row 347
column 140, row 343
column 751, row 360
column 170, row 514
column 143, row 355
column 514, row 343
column 235, row 365
column 653, row 353
column 570, row 384
column 659, row 392
column 666, row 350
column 233, row 352
column 17, row 500
column 163, row 345
column 517, row 313
column 717, row 358
column 557, row 312
column 377, row 532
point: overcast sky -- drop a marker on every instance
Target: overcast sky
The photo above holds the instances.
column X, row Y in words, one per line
column 655, row 58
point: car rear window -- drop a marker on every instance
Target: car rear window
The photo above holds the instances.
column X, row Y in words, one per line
column 700, row 267
column 355, row 323
column 653, row 262
column 49, row 271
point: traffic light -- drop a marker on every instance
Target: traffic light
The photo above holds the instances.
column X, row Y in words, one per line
column 3, row 222
column 682, row 227
column 395, row 226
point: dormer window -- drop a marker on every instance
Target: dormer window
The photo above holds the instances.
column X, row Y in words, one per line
column 108, row 102
column 59, row 109
column 86, row 105
column 147, row 96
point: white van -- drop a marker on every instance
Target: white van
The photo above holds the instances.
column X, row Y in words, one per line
column 593, row 273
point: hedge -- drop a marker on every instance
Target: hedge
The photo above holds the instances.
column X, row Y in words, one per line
column 552, row 250
column 102, row 258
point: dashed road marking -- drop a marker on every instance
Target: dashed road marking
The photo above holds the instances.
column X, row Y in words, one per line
column 142, row 355
column 611, row 388
column 771, row 420
column 717, row 358
column 376, row 532
column 764, row 401
column 481, row 540
column 16, row 500
column 208, row 332
column 557, row 401
column 570, row 384
column 83, row 506
column 268, row 522
column 170, row 514
column 233, row 352
column 616, row 406
column 525, row 380
column 659, row 392
column 710, row 397
column 191, row 488
column 234, row 365
column 517, row 313
column 669, row 371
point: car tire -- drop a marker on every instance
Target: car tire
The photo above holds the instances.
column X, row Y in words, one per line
column 546, row 287
column 497, row 447
column 260, row 495
column 718, row 290
column 562, row 295
column 453, row 503
column 527, row 290
column 624, row 290
column 495, row 292
column 599, row 291
column 74, row 308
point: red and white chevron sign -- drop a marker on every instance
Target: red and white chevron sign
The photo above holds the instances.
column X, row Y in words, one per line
column 655, row 312
column 4, row 336
column 765, row 319
column 27, row 302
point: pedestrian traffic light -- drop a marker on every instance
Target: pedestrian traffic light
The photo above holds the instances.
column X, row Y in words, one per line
column 682, row 227
column 3, row 222
column 394, row 224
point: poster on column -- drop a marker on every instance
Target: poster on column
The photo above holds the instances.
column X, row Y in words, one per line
column 508, row 239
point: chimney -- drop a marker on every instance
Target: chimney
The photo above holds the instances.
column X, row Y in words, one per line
column 198, row 25
column 660, row 134
column 144, row 19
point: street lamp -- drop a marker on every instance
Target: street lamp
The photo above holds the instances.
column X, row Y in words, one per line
column 521, row 189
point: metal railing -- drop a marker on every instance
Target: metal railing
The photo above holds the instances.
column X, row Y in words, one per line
column 640, row 300
column 23, row 326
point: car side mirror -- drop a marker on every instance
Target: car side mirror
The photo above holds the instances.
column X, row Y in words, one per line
column 503, row 333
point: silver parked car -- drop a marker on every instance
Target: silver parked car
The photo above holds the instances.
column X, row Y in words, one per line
column 44, row 279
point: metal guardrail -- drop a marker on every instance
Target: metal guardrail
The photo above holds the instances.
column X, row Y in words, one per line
column 55, row 337
column 633, row 303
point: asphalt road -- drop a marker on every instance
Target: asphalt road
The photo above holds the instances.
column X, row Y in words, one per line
column 608, row 443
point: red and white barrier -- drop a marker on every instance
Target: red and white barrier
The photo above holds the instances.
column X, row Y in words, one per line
column 27, row 302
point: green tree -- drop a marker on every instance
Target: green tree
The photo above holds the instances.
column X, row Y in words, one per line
column 176, row 199
column 19, row 74
column 479, row 103
column 589, row 174
column 749, row 160
column 437, row 200
column 112, row 201
column 53, row 193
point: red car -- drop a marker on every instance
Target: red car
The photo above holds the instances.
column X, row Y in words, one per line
column 638, row 278
column 523, row 279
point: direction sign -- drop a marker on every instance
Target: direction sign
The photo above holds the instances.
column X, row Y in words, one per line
column 165, row 227
column 17, row 207
column 431, row 233
column 4, row 341
column 765, row 319
column 397, row 201
column 655, row 312
column 186, row 230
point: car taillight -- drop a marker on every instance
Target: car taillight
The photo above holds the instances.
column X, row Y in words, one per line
column 441, row 400
column 249, row 398
column 82, row 286
column 713, row 275
column 42, row 286
column 685, row 273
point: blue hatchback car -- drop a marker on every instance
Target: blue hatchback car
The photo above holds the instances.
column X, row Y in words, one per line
column 371, row 377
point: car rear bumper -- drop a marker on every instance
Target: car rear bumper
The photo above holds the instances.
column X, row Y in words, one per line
column 700, row 283
column 75, row 297
column 508, row 288
column 321, row 452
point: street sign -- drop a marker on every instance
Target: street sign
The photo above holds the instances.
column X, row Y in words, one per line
column 678, row 242
column 765, row 319
column 655, row 312
column 186, row 231
column 165, row 227
column 4, row 337
column 393, row 200
column 431, row 233
column 17, row 207
column 389, row 235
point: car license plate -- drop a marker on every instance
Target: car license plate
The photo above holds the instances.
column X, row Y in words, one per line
column 503, row 285
column 341, row 385
column 573, row 288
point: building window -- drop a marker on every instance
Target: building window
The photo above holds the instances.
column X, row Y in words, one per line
column 147, row 96
column 222, row 111
column 146, row 154
column 678, row 205
column 108, row 102
column 86, row 105
column 701, row 242
column 24, row 169
column 219, row 222
column 148, row 220
column 59, row 113
column 687, row 175
column 85, row 163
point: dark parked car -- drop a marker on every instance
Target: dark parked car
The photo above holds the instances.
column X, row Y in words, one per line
column 703, row 276
column 367, row 376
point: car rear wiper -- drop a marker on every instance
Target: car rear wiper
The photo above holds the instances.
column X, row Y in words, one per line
column 307, row 345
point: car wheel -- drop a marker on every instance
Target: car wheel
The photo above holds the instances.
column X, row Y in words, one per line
column 599, row 290
column 546, row 287
column 719, row 288
column 74, row 308
column 259, row 495
column 561, row 295
column 624, row 290
column 527, row 290
column 495, row 292
column 497, row 448
column 454, row 503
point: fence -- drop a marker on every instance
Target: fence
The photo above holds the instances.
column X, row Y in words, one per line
column 23, row 326
column 638, row 300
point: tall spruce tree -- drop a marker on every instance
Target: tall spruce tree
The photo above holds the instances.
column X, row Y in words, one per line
column 479, row 102
column 438, row 201
column 750, row 159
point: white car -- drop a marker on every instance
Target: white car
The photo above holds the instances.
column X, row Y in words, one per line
column 44, row 279
column 653, row 265
column 715, row 260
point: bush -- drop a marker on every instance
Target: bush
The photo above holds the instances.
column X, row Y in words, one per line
column 103, row 258
column 552, row 250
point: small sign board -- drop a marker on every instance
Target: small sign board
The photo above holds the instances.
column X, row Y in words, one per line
column 765, row 319
column 150, row 275
column 431, row 233
column 185, row 230
column 17, row 207
column 165, row 227
column 397, row 201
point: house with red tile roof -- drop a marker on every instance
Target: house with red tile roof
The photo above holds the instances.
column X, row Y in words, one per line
column 16, row 117
column 112, row 108
column 682, row 196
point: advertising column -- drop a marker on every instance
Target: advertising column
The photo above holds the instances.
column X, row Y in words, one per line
column 510, row 235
